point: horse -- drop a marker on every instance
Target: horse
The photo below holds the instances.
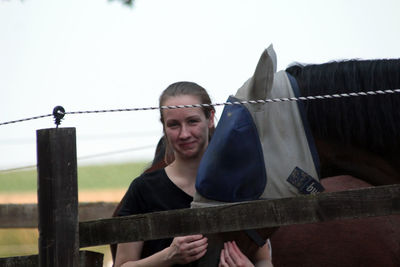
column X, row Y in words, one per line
column 356, row 140
column 353, row 142
column 354, row 137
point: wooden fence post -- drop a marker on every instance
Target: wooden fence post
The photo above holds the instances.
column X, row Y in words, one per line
column 57, row 197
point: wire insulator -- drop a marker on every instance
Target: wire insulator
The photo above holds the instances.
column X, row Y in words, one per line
column 58, row 113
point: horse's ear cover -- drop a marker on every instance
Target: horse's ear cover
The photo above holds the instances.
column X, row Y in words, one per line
column 232, row 168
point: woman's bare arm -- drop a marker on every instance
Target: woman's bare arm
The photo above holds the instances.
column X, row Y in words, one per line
column 181, row 251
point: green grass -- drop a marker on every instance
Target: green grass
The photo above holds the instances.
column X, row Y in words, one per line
column 93, row 177
column 109, row 176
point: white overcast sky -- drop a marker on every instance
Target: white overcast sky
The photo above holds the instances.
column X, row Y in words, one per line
column 97, row 54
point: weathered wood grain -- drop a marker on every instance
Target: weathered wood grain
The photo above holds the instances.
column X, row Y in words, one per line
column 26, row 215
column 376, row 201
column 57, row 197
column 86, row 259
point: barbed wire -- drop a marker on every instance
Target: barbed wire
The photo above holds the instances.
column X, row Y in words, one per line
column 260, row 101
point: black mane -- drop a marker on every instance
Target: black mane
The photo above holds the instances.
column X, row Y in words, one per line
column 368, row 121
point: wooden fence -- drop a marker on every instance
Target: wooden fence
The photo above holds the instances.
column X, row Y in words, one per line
column 26, row 215
column 61, row 235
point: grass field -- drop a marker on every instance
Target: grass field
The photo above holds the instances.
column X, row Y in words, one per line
column 91, row 179
column 94, row 177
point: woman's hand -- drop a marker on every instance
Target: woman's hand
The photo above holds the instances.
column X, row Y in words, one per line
column 186, row 249
column 231, row 256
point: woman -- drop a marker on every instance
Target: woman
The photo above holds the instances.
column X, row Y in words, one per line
column 187, row 132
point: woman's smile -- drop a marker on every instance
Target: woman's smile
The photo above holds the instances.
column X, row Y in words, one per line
column 188, row 145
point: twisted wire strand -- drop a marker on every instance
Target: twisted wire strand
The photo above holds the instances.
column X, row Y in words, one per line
column 26, row 119
column 260, row 101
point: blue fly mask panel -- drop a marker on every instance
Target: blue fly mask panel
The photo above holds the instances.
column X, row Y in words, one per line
column 259, row 150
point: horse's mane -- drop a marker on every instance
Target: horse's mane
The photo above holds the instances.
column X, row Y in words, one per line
column 368, row 121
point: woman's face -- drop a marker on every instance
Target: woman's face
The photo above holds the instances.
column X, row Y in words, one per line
column 186, row 128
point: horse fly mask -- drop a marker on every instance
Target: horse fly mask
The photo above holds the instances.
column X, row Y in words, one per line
column 259, row 150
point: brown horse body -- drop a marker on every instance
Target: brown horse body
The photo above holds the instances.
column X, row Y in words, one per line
column 358, row 137
column 373, row 241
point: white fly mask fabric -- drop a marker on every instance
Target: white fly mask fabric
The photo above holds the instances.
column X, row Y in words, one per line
column 259, row 150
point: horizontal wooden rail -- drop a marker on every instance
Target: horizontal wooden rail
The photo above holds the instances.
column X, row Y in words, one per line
column 86, row 258
column 26, row 215
column 367, row 202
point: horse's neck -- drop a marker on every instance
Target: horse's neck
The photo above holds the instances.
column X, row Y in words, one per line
column 375, row 169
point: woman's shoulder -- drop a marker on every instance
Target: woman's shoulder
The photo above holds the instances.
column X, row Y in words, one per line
column 149, row 178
